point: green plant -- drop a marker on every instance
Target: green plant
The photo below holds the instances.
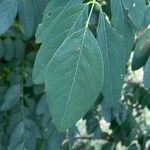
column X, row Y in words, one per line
column 81, row 52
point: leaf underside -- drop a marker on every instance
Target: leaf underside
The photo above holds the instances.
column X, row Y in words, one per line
column 69, row 62
column 53, row 34
column 74, row 78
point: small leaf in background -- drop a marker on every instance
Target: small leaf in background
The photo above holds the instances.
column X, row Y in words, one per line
column 26, row 17
column 9, row 49
column 39, row 6
column 11, row 97
column 119, row 113
column 28, row 77
column 106, row 111
column 112, row 50
column 147, row 74
column 52, row 138
column 19, row 48
column 55, row 140
column 136, row 11
column 72, row 134
column 38, row 89
column 24, row 136
column 2, row 48
column 42, row 106
column 8, row 11
column 141, row 50
column 14, row 120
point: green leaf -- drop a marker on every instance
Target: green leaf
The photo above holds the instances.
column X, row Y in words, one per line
column 74, row 78
column 55, row 139
column 11, row 97
column 121, row 25
column 10, row 49
column 53, row 10
column 24, row 136
column 52, row 138
column 26, row 17
column 136, row 11
column 113, row 54
column 8, row 11
column 2, row 48
column 42, row 106
column 147, row 16
column 119, row 113
column 141, row 50
column 39, row 6
column 147, row 74
column 19, row 48
column 53, row 35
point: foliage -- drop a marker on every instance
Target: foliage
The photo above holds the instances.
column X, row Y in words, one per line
column 78, row 54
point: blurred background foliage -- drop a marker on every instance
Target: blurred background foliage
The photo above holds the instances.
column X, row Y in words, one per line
column 25, row 121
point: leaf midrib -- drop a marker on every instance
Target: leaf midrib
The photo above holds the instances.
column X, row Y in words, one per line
column 64, row 40
column 68, row 36
column 74, row 79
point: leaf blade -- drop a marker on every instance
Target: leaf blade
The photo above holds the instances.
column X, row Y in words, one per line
column 50, row 46
column 72, row 81
column 111, row 45
column 8, row 11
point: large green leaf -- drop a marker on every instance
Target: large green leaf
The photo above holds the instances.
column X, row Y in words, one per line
column 8, row 11
column 54, row 33
column 141, row 50
column 54, row 14
column 120, row 23
column 68, row 52
column 136, row 11
column 147, row 74
column 113, row 54
column 74, row 78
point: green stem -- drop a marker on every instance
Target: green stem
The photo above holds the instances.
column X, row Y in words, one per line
column 94, row 2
